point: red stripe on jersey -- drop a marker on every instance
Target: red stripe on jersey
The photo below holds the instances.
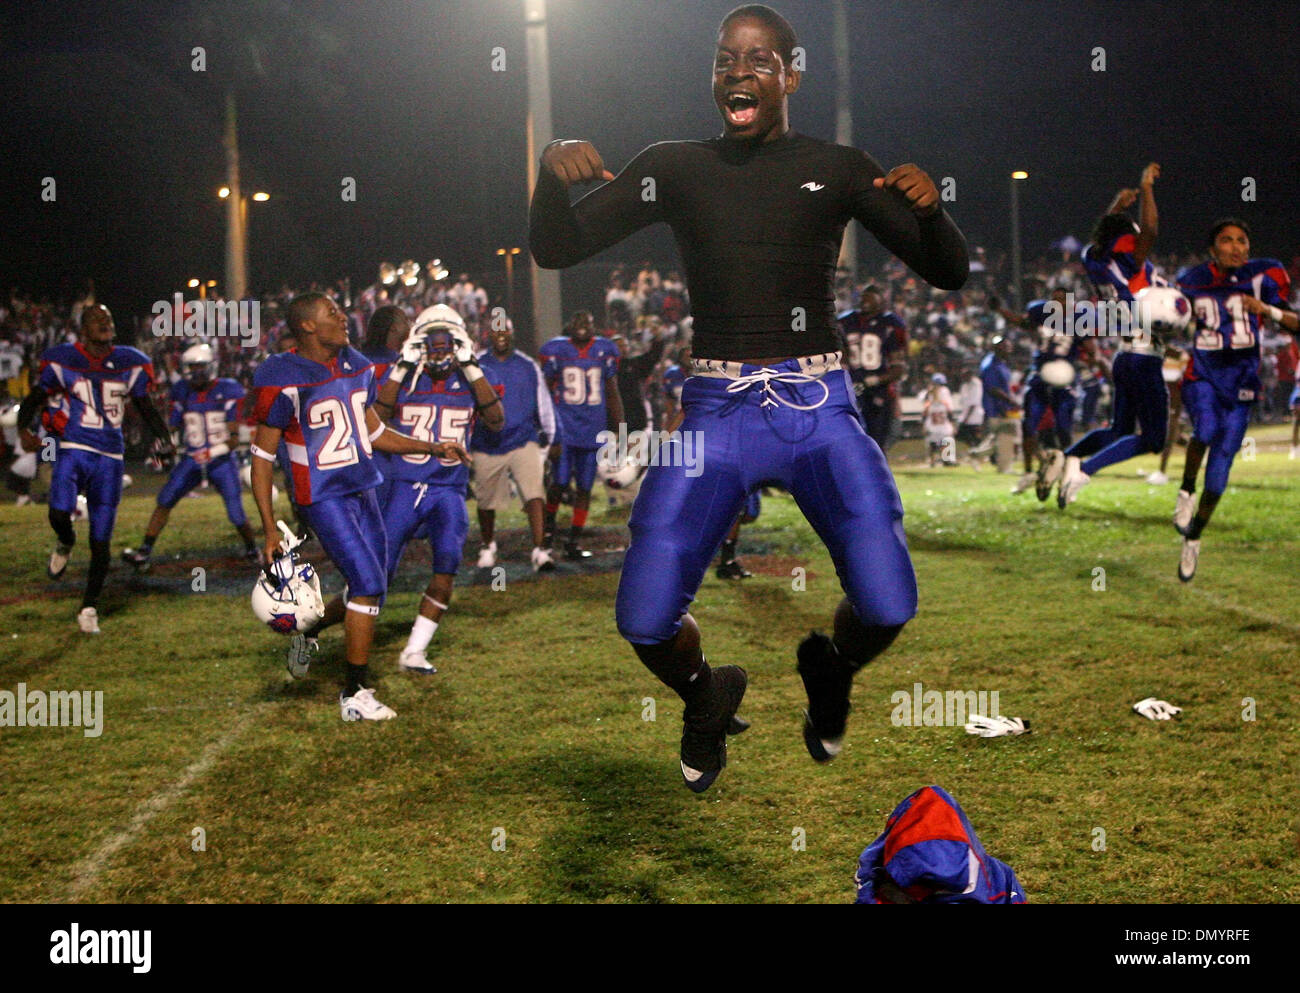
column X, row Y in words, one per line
column 1124, row 243
column 266, row 396
column 1139, row 281
column 927, row 819
column 1283, row 281
column 301, row 482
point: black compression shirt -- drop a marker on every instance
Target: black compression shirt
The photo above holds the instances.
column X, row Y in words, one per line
column 759, row 229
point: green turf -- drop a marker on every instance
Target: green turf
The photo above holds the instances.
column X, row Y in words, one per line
column 534, row 724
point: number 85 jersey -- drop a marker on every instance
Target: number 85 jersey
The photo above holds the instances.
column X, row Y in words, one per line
column 93, row 394
column 322, row 411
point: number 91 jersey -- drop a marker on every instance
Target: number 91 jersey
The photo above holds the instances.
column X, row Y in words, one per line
column 204, row 416
column 578, row 377
column 94, row 392
column 434, row 410
column 322, row 411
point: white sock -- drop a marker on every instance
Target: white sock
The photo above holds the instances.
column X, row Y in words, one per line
column 421, row 634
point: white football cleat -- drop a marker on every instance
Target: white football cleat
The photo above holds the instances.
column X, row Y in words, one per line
column 487, row 556
column 23, row 499
column 1187, row 562
column 362, row 706
column 1072, row 482
column 543, row 561
column 1025, row 481
column 1183, row 511
column 1156, row 710
column 301, row 651
column 1158, row 478
column 415, row 662
column 58, row 560
column 88, row 620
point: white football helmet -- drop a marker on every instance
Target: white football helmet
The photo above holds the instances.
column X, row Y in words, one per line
column 199, row 363
column 439, row 315
column 287, row 597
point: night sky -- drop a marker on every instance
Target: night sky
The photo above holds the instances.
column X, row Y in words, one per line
column 402, row 97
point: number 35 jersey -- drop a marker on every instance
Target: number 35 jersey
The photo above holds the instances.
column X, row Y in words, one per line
column 578, row 378
column 434, row 410
column 93, row 392
column 204, row 416
column 1225, row 351
column 322, row 411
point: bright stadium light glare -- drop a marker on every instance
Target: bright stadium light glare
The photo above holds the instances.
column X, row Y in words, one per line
column 223, row 192
column 1020, row 174
column 192, row 283
column 261, row 197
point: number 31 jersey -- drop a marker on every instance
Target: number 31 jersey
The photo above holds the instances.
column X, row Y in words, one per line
column 204, row 416
column 93, row 393
column 322, row 411
column 578, row 378
column 435, row 410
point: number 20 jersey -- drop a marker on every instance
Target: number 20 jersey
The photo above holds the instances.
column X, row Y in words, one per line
column 434, row 410
column 93, row 393
column 578, row 375
column 322, row 411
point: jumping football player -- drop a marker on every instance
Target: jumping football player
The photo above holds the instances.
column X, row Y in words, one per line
column 580, row 369
column 758, row 214
column 1230, row 293
column 204, row 408
column 876, row 354
column 426, row 495
column 318, row 399
column 93, row 377
column 1117, row 263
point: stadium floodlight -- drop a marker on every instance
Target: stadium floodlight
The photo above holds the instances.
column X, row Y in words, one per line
column 387, row 273
column 1020, row 174
column 1016, row 177
column 223, row 192
column 193, row 284
column 261, row 197
column 437, row 271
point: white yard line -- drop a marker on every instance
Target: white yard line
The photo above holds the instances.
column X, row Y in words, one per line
column 87, row 872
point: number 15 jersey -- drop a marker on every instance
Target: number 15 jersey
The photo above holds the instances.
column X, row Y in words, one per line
column 94, row 391
column 322, row 411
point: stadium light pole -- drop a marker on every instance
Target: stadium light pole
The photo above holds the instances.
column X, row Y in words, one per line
column 510, row 254
column 1016, row 178
column 237, row 235
column 545, row 282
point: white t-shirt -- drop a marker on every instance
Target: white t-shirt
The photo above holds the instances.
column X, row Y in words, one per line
column 970, row 401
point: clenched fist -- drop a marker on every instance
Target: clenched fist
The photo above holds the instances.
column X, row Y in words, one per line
column 575, row 162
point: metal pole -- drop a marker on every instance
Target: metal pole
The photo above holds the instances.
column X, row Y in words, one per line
column 1015, row 244
column 844, row 127
column 547, row 307
column 236, row 243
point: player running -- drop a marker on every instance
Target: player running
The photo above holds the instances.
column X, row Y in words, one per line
column 92, row 378
column 875, row 350
column 422, row 495
column 1117, row 263
column 1230, row 293
column 206, row 410
column 758, row 215
column 581, row 370
column 317, row 399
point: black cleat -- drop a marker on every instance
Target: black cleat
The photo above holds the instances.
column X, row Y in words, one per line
column 733, row 570
column 136, row 557
column 706, row 726
column 572, row 553
column 828, row 681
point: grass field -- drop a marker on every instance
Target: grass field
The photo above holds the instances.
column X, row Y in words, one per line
column 532, row 735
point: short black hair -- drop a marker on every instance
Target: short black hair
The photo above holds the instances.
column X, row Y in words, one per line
column 381, row 322
column 786, row 42
column 302, row 308
column 1225, row 222
column 1109, row 227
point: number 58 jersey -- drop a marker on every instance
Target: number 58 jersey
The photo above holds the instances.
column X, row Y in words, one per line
column 322, row 411
column 433, row 410
column 93, row 391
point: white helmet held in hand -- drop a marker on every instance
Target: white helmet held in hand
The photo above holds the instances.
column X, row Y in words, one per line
column 287, row 597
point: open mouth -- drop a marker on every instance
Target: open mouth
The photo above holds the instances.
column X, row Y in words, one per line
column 741, row 109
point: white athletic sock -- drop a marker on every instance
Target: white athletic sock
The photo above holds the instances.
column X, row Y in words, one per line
column 421, row 634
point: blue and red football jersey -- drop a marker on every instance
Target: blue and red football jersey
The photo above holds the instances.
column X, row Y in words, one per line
column 383, row 359
column 204, row 416
column 322, row 411
column 1115, row 268
column 92, row 394
column 577, row 377
column 1225, row 351
column 870, row 343
column 434, row 410
column 1064, row 345
column 525, row 400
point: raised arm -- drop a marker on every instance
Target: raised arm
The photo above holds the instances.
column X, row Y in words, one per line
column 560, row 234
column 1149, row 219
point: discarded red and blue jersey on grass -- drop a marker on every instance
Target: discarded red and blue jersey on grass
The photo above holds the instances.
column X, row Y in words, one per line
column 929, row 854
